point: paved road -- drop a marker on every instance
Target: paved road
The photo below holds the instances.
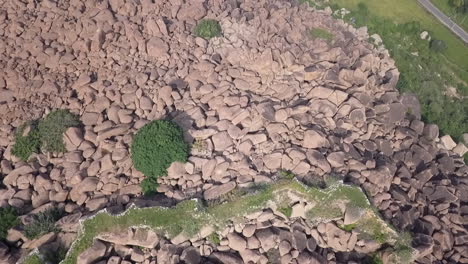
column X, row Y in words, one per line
column 444, row 19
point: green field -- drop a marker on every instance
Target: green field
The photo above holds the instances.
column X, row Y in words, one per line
column 427, row 74
column 403, row 11
column 459, row 18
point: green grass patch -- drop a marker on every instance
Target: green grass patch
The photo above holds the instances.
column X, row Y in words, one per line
column 348, row 228
column 321, row 34
column 33, row 259
column 373, row 228
column 208, row 28
column 214, row 238
column 287, row 211
column 284, row 174
column 427, row 75
column 375, row 259
column 188, row 217
column 44, row 134
column 403, row 252
column 8, row 219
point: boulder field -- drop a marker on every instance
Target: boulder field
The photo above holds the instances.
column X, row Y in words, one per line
column 266, row 96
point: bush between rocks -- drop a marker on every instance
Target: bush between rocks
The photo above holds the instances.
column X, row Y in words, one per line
column 8, row 219
column 43, row 223
column 208, row 28
column 46, row 134
column 155, row 147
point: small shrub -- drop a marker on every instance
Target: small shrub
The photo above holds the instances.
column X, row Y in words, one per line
column 33, row 259
column 25, row 145
column 348, row 228
column 437, row 45
column 374, row 259
column 8, row 219
column 46, row 134
column 208, row 28
column 284, row 174
column 55, row 256
column 321, row 34
column 214, row 238
column 287, row 211
column 52, row 127
column 155, row 147
column 43, row 223
column 199, row 145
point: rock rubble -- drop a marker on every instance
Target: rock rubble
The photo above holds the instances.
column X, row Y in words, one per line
column 262, row 98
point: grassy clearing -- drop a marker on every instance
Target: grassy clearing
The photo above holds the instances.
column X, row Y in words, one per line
column 424, row 72
column 189, row 217
column 458, row 17
column 402, row 11
column 321, row 34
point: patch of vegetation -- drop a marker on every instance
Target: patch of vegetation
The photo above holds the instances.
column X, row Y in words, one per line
column 323, row 211
column 8, row 219
column 188, row 217
column 375, row 259
column 52, row 127
column 208, row 28
column 199, row 145
column 44, row 134
column 402, row 248
column 437, row 45
column 373, row 228
column 348, row 228
column 321, row 34
column 155, row 147
column 27, row 141
column 149, row 185
column 214, row 238
column 284, row 174
column 287, row 211
column 33, row 259
column 43, row 223
column 55, row 256
column 426, row 74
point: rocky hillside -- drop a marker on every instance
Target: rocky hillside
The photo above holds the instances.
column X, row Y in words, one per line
column 285, row 89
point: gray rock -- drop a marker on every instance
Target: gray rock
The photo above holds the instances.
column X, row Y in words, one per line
column 236, row 241
column 218, row 190
column 226, row 258
column 92, row 254
column 190, row 255
column 431, row 131
column 267, row 238
column 157, row 48
column 314, row 139
column 352, row 215
column 221, row 141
